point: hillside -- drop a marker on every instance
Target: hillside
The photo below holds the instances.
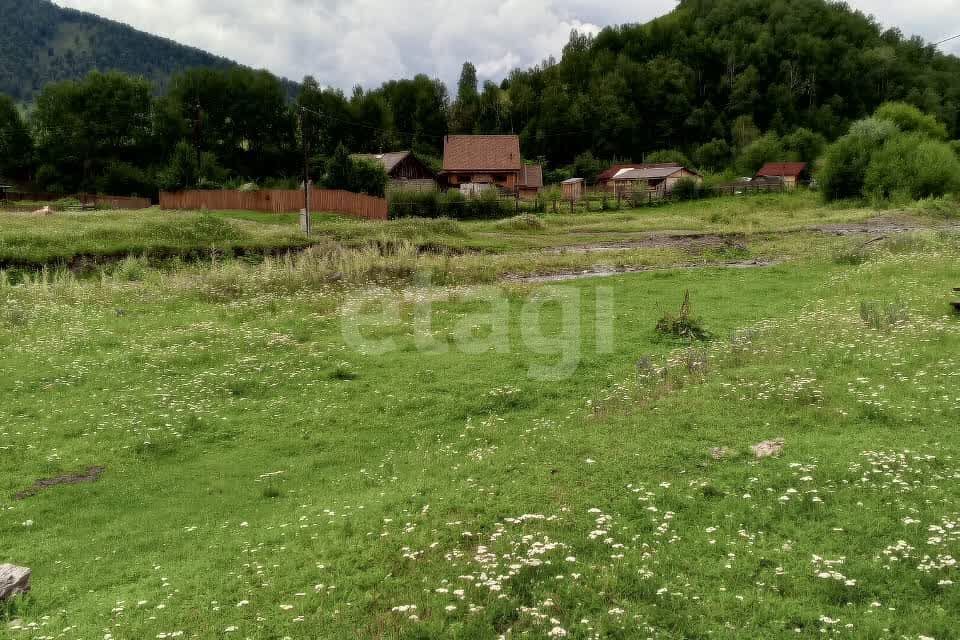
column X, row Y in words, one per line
column 41, row 42
column 718, row 69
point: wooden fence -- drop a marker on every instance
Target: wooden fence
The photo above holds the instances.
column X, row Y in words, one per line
column 278, row 201
column 87, row 200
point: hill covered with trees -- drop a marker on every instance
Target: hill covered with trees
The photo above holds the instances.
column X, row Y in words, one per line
column 41, row 42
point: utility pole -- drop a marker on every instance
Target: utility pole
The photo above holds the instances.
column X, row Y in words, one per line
column 305, row 222
column 197, row 134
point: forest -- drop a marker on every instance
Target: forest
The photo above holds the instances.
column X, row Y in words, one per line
column 723, row 85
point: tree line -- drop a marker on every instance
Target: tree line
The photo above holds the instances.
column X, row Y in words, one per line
column 722, row 85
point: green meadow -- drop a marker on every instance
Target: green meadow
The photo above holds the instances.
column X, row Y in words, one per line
column 392, row 431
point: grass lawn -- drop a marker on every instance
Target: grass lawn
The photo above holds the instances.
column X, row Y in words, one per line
column 288, row 452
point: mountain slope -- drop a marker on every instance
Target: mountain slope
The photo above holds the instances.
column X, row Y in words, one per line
column 41, row 42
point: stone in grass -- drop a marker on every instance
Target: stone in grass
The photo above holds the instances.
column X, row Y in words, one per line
column 768, row 448
column 13, row 581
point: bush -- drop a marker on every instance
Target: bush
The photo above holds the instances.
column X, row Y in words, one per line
column 911, row 167
column 909, row 119
column 844, row 170
column 451, row 204
column 686, row 189
column 414, row 204
column 524, row 222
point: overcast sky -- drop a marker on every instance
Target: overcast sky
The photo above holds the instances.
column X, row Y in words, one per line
column 346, row 42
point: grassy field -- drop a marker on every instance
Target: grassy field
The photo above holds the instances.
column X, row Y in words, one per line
column 361, row 443
column 30, row 241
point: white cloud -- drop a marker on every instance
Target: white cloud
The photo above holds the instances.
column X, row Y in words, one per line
column 348, row 42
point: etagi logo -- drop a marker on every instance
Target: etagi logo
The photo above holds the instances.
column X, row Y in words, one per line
column 552, row 325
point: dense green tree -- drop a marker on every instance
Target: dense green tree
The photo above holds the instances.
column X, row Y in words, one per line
column 239, row 115
column 16, row 144
column 713, row 155
column 911, row 166
column 467, row 105
column 358, row 176
column 803, row 145
column 81, row 128
column 909, row 119
column 846, row 161
column 767, row 148
column 669, row 155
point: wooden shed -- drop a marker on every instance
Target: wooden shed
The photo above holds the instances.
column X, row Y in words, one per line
column 573, row 189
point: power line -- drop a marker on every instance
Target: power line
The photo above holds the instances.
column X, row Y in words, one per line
column 937, row 44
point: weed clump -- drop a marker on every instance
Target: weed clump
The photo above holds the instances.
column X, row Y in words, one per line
column 682, row 325
column 524, row 222
column 881, row 316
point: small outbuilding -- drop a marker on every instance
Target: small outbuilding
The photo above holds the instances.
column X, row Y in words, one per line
column 573, row 189
column 790, row 173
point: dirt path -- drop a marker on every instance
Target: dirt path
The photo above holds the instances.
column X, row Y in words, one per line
column 693, row 242
column 605, row 272
column 701, row 241
column 885, row 224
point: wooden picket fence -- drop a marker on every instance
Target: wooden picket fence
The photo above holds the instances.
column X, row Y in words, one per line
column 277, row 201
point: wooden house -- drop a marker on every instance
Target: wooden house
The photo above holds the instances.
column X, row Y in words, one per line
column 476, row 163
column 790, row 173
column 405, row 172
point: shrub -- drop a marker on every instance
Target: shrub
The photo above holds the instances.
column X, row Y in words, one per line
column 682, row 324
column 846, row 161
column 686, row 189
column 910, row 167
column 525, row 222
column 909, row 119
column 419, row 204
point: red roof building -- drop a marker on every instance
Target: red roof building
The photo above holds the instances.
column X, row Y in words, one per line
column 482, row 160
column 789, row 172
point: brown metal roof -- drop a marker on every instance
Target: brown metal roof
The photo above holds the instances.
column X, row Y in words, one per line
column 531, row 176
column 649, row 173
column 782, row 169
column 612, row 171
column 481, row 153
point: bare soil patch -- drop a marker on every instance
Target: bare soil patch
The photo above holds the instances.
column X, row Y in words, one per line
column 92, row 474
